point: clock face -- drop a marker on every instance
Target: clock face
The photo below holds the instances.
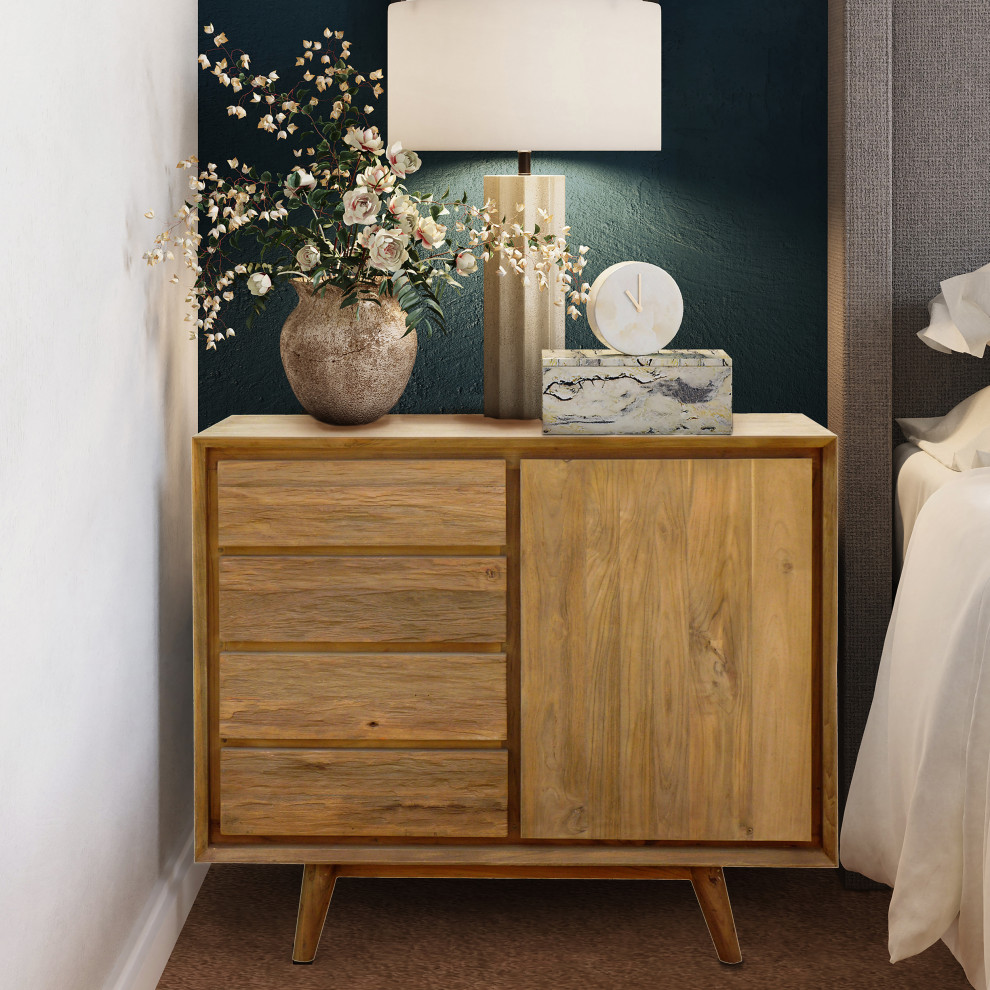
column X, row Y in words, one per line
column 635, row 308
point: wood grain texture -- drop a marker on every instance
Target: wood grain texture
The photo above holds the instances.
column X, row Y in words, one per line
column 363, row 792
column 362, row 599
column 520, row 872
column 829, row 652
column 641, row 584
column 201, row 649
column 716, row 795
column 420, row 431
column 236, row 849
column 213, row 638
column 512, row 640
column 393, row 696
column 354, row 503
column 441, row 439
column 781, row 644
column 713, row 899
column 314, row 902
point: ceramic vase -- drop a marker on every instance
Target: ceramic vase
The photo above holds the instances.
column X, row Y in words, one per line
column 346, row 366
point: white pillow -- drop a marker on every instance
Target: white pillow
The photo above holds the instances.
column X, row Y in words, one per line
column 960, row 315
column 960, row 439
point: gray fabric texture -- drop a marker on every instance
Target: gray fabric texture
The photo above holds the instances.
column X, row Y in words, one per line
column 941, row 187
column 859, row 295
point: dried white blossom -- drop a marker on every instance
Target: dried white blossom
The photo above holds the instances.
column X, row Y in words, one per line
column 352, row 246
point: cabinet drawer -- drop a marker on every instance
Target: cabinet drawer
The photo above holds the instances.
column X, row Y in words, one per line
column 362, row 599
column 363, row 792
column 358, row 503
column 384, row 696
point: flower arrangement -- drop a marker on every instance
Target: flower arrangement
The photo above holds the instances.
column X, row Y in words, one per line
column 345, row 218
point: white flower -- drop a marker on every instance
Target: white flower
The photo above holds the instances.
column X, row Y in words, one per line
column 388, row 250
column 467, row 263
column 308, row 257
column 430, row 233
column 403, row 162
column 378, row 178
column 259, row 283
column 361, row 206
column 408, row 223
column 306, row 182
column 400, row 205
column 366, row 139
column 366, row 236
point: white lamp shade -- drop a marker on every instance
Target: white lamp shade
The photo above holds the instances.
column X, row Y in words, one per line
column 526, row 75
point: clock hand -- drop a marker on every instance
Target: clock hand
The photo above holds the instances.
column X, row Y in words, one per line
column 639, row 309
column 639, row 291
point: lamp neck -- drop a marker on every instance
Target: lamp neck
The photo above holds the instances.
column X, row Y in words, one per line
column 525, row 162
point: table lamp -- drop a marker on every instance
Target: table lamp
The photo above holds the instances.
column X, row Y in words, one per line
column 539, row 75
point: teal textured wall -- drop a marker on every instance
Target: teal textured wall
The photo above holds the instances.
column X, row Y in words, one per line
column 733, row 206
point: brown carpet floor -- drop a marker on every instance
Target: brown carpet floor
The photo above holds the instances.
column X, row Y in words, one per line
column 798, row 929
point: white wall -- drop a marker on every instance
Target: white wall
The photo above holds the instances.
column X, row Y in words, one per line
column 97, row 404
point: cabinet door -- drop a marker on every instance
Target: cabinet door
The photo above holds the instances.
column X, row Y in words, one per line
column 667, row 649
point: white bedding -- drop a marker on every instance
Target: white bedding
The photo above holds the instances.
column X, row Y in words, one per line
column 917, row 476
column 917, row 814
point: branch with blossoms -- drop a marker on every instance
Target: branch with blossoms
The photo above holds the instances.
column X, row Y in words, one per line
column 344, row 217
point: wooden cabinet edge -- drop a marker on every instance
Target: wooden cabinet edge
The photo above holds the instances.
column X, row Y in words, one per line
column 829, row 648
column 422, row 857
column 201, row 646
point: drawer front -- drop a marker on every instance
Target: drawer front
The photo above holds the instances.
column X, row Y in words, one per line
column 380, row 696
column 364, row 792
column 362, row 599
column 358, row 503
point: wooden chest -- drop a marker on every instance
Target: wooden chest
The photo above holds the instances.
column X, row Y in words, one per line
column 449, row 646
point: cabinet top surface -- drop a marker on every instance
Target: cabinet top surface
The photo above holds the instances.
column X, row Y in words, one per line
column 745, row 426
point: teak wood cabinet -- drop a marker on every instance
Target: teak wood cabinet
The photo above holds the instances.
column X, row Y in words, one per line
column 452, row 646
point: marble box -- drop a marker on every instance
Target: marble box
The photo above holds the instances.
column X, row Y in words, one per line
column 600, row 391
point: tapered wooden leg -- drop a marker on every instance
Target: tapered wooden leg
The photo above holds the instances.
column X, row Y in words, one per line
column 709, row 887
column 314, row 901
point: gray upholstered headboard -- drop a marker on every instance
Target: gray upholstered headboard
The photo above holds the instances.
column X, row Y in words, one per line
column 909, row 205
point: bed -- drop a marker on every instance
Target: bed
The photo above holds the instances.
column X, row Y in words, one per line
column 917, row 476
column 917, row 816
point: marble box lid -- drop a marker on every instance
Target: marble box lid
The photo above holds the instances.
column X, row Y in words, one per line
column 662, row 359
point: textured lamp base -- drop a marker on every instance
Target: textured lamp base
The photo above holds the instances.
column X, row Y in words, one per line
column 520, row 321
